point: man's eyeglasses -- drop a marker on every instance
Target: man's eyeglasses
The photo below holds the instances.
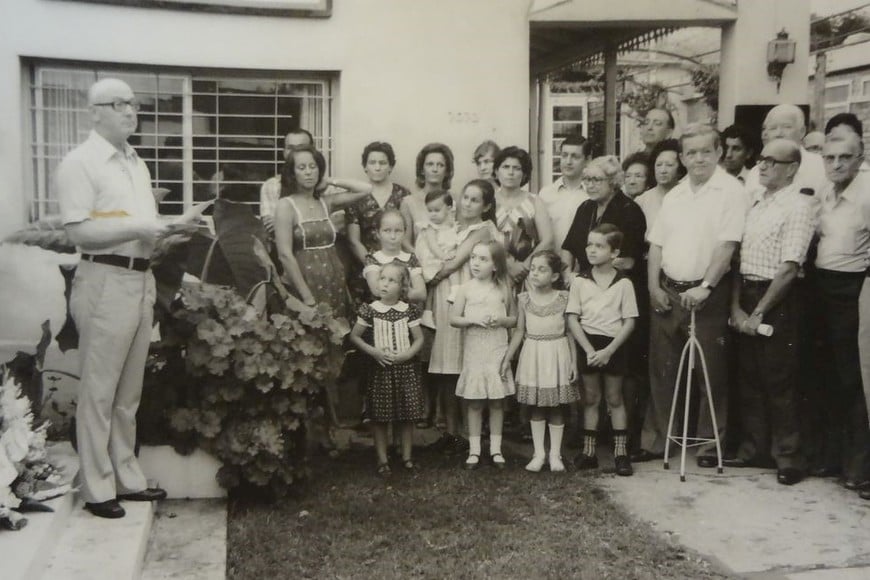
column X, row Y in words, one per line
column 120, row 105
column 771, row 161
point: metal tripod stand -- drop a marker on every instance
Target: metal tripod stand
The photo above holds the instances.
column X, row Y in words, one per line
column 691, row 352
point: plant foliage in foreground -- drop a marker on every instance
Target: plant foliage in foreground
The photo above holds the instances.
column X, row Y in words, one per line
column 248, row 383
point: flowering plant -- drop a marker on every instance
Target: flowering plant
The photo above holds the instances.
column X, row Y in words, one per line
column 26, row 475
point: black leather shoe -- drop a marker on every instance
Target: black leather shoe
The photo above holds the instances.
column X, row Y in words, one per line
column 864, row 494
column 855, row 485
column 789, row 476
column 623, row 465
column 708, row 461
column 644, row 455
column 106, row 509
column 150, row 494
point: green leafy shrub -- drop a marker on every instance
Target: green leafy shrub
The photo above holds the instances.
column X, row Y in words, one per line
column 241, row 385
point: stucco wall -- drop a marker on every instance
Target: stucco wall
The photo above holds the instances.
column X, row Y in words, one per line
column 404, row 67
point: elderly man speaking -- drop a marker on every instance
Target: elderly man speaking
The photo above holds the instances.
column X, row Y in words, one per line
column 779, row 228
column 110, row 214
column 691, row 246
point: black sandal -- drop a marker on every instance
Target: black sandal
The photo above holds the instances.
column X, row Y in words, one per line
column 384, row 469
column 499, row 464
column 409, row 465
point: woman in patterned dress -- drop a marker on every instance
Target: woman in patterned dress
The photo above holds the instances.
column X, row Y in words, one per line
column 520, row 216
column 378, row 161
column 474, row 223
column 304, row 234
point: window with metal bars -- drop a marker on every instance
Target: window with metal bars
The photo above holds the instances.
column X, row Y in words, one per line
column 199, row 132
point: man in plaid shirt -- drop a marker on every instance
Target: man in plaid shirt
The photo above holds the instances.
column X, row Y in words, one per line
column 779, row 228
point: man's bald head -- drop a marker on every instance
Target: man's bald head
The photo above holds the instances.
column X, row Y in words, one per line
column 113, row 110
column 784, row 122
column 778, row 163
column 104, row 90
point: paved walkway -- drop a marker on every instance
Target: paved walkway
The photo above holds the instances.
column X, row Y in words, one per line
column 745, row 521
column 751, row 524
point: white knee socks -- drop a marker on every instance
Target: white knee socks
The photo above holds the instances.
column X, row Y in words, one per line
column 556, row 432
column 539, row 428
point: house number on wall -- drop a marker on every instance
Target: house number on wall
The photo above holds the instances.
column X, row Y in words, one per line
column 463, row 117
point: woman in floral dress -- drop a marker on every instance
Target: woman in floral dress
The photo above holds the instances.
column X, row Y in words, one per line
column 520, row 216
column 304, row 234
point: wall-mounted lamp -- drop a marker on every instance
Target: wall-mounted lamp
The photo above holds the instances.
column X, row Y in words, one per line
column 780, row 53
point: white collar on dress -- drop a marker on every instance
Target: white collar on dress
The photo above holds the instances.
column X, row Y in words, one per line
column 385, row 259
column 379, row 306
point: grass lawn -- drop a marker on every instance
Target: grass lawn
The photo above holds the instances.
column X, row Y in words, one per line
column 444, row 522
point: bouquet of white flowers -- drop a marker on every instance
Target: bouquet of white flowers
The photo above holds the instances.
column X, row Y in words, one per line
column 26, row 475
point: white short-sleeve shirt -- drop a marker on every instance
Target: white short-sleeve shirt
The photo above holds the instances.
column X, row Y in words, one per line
column 562, row 203
column 95, row 180
column 602, row 310
column 844, row 227
column 691, row 225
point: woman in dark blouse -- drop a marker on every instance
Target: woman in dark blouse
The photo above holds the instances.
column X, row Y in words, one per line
column 602, row 178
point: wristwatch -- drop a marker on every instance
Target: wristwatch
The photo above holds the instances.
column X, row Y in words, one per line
column 707, row 286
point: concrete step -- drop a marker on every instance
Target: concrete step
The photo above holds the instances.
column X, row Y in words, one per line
column 24, row 553
column 92, row 548
column 188, row 541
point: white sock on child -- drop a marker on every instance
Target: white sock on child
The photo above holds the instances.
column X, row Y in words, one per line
column 539, row 430
column 494, row 444
column 474, row 446
column 556, row 432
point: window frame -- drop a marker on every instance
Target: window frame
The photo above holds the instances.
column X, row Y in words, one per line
column 42, row 203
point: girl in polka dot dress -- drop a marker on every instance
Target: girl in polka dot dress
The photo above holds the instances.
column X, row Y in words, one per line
column 388, row 330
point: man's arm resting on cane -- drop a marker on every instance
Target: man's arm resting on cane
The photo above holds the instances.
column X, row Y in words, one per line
column 719, row 265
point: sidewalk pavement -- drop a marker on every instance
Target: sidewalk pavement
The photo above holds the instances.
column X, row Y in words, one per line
column 744, row 520
column 752, row 525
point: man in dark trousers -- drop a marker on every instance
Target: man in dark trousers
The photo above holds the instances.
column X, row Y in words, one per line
column 779, row 228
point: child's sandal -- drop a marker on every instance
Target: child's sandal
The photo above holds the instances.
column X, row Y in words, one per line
column 384, row 469
column 473, row 462
column 409, row 465
column 498, row 460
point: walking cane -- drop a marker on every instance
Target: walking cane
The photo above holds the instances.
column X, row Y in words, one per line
column 691, row 351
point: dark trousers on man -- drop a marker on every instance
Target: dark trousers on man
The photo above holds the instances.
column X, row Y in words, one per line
column 767, row 371
column 841, row 398
column 668, row 335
